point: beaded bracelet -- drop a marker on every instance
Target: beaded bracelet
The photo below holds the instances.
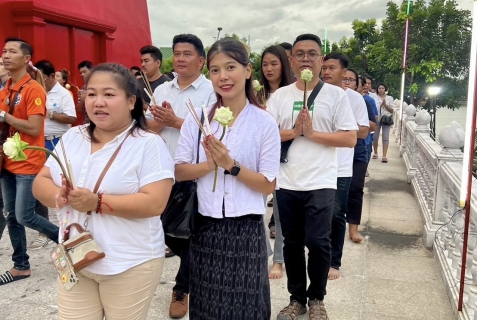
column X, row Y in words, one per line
column 98, row 205
column 56, row 200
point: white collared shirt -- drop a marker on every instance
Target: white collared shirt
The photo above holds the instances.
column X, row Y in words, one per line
column 143, row 159
column 200, row 92
column 58, row 100
column 311, row 165
column 253, row 141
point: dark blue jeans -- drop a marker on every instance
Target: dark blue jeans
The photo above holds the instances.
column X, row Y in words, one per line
column 306, row 221
column 3, row 221
column 338, row 224
column 370, row 147
column 20, row 208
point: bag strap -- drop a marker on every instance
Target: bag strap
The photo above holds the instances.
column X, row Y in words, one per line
column 108, row 165
column 315, row 92
column 202, row 118
column 6, row 126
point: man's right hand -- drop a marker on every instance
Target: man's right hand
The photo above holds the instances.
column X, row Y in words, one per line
column 298, row 130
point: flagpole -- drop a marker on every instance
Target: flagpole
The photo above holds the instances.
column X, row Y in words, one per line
column 326, row 39
column 404, row 65
column 467, row 166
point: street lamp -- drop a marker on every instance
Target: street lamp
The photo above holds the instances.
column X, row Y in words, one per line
column 433, row 92
column 218, row 34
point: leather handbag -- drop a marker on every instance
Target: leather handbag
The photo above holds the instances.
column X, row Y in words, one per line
column 75, row 254
column 286, row 144
column 386, row 120
column 179, row 218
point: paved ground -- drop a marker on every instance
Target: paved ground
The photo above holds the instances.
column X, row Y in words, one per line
column 390, row 276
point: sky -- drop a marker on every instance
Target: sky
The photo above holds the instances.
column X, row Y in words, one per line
column 265, row 21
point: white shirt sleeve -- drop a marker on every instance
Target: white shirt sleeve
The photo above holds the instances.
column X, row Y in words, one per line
column 157, row 162
column 361, row 112
column 268, row 164
column 344, row 119
column 68, row 105
column 186, row 146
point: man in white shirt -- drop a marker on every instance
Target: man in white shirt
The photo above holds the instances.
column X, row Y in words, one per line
column 334, row 70
column 167, row 118
column 307, row 181
column 60, row 106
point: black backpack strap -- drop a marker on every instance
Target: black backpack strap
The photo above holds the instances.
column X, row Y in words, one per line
column 202, row 118
column 286, row 145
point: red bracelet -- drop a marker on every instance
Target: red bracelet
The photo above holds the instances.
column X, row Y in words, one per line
column 99, row 208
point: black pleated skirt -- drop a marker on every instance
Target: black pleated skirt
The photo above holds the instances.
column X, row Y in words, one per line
column 229, row 271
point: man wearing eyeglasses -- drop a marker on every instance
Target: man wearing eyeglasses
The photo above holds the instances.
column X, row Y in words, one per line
column 307, row 183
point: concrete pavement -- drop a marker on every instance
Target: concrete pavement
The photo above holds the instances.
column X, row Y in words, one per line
column 390, row 276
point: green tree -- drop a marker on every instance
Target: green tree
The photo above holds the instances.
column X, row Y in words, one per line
column 438, row 52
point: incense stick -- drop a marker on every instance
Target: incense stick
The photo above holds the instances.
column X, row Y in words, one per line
column 147, row 92
column 68, row 179
column 206, row 119
column 191, row 108
column 149, row 88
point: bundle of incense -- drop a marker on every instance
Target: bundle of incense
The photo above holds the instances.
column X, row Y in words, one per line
column 69, row 168
column 196, row 117
column 148, row 88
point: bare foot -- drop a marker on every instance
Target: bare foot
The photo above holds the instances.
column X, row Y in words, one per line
column 276, row 272
column 333, row 274
column 354, row 234
column 16, row 272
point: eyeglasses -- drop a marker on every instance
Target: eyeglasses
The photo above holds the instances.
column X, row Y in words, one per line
column 350, row 80
column 312, row 55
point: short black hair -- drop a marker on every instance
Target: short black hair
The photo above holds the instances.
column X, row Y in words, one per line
column 85, row 64
column 382, row 84
column 26, row 48
column 155, row 53
column 46, row 67
column 367, row 76
column 286, row 46
column 342, row 58
column 192, row 39
column 135, row 68
column 308, row 36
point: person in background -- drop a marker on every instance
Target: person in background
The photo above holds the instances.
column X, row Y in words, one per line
column 151, row 61
column 384, row 103
column 126, row 221
column 84, row 68
column 275, row 73
column 17, row 177
column 369, row 101
column 229, row 252
column 4, row 76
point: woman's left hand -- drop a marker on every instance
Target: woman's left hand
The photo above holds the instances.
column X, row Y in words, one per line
column 82, row 200
column 220, row 153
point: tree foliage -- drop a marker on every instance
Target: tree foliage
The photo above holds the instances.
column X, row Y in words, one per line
column 438, row 51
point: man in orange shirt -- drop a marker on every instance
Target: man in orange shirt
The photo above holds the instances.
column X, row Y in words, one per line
column 22, row 110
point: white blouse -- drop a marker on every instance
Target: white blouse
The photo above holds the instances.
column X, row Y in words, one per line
column 143, row 159
column 253, row 141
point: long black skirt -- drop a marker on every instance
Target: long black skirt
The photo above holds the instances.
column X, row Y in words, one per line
column 229, row 271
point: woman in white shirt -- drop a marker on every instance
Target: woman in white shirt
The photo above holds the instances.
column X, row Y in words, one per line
column 275, row 73
column 384, row 104
column 125, row 218
column 229, row 254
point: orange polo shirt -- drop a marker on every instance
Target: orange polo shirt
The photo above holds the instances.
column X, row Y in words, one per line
column 31, row 101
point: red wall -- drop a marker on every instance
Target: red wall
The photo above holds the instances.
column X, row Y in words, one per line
column 67, row 32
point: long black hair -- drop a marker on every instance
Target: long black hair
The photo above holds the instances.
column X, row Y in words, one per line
column 237, row 51
column 286, row 77
column 127, row 82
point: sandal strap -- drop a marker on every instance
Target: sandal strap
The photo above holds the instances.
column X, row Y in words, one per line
column 6, row 277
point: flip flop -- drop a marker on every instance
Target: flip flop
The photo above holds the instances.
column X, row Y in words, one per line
column 385, row 160
column 375, row 156
column 169, row 253
column 7, row 277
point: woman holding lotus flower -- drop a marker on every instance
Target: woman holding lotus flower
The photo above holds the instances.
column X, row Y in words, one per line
column 231, row 218
column 125, row 211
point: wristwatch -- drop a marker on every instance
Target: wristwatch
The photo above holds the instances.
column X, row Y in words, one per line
column 235, row 169
column 2, row 116
column 51, row 115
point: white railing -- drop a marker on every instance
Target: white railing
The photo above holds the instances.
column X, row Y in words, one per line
column 434, row 170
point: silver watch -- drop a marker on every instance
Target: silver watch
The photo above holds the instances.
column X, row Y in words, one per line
column 2, row 116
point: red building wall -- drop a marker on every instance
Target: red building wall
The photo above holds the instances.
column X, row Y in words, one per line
column 68, row 32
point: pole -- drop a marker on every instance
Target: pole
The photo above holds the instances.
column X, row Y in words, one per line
column 404, row 65
column 326, row 39
column 466, row 179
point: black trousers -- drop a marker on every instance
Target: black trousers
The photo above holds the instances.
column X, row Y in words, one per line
column 306, row 221
column 355, row 196
column 181, row 247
